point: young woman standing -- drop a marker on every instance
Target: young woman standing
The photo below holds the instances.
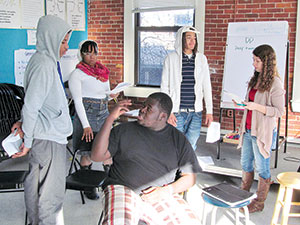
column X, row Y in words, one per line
column 264, row 104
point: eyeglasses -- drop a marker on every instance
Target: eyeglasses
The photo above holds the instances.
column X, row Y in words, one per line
column 90, row 53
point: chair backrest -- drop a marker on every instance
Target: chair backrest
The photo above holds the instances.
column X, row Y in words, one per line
column 11, row 102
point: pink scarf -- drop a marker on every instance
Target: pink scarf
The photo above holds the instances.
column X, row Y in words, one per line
column 99, row 71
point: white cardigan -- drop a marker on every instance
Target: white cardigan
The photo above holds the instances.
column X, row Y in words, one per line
column 172, row 77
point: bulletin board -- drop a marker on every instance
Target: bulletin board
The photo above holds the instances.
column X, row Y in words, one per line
column 17, row 36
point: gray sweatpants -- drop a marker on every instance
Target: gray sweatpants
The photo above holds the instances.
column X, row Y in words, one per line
column 44, row 186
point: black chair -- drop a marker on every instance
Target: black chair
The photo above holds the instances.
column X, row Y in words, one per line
column 12, row 181
column 11, row 101
column 84, row 180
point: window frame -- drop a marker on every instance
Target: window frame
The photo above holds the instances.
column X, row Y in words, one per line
column 130, row 47
column 138, row 29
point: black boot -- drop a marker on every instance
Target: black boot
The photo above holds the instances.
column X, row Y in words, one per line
column 90, row 194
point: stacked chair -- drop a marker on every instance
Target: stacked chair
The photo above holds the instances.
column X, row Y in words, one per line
column 11, row 101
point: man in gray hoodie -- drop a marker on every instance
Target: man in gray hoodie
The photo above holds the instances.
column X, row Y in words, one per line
column 46, row 124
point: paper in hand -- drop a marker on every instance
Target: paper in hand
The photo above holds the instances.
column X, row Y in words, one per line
column 213, row 132
column 120, row 87
column 132, row 113
column 236, row 98
column 12, row 143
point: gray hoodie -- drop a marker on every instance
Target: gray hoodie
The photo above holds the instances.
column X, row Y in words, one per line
column 45, row 113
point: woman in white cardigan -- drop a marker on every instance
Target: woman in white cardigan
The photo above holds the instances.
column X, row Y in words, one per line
column 263, row 105
column 89, row 85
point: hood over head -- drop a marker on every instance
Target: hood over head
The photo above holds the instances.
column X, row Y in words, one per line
column 51, row 30
column 178, row 41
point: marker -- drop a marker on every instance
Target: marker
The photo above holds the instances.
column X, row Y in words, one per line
column 241, row 104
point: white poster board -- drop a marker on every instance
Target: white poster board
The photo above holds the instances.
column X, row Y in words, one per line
column 242, row 38
column 22, row 56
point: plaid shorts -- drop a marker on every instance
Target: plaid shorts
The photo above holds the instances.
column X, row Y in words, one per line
column 122, row 206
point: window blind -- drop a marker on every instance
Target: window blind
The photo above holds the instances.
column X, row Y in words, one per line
column 161, row 5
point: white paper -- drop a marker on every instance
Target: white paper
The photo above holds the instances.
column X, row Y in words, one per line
column 56, row 8
column 10, row 14
column 68, row 63
column 205, row 160
column 22, row 57
column 12, row 143
column 213, row 132
column 32, row 11
column 133, row 113
column 76, row 14
column 236, row 98
column 31, row 37
column 120, row 87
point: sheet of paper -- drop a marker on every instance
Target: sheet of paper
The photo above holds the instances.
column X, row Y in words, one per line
column 133, row 113
column 236, row 98
column 213, row 132
column 31, row 37
column 205, row 160
column 120, row 87
column 12, row 143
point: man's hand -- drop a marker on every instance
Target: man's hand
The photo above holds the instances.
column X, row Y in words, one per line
column 23, row 152
column 18, row 125
column 209, row 118
column 120, row 109
column 88, row 134
column 154, row 194
column 172, row 120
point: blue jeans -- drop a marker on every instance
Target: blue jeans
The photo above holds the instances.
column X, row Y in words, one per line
column 251, row 154
column 96, row 111
column 189, row 123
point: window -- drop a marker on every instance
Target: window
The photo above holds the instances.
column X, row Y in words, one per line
column 155, row 37
column 149, row 35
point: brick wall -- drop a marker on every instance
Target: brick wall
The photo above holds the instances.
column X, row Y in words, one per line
column 105, row 25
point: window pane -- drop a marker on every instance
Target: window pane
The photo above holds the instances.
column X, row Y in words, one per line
column 153, row 48
column 167, row 18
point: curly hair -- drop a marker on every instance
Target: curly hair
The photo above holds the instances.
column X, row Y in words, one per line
column 269, row 69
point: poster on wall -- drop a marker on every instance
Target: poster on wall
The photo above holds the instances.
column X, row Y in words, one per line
column 56, row 8
column 76, row 14
column 21, row 13
column 10, row 14
column 22, row 56
column 32, row 10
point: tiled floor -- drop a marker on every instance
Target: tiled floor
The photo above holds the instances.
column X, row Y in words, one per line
column 12, row 209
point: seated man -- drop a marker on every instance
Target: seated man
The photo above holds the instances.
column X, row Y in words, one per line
column 146, row 155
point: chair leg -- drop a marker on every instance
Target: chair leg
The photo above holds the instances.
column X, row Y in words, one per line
column 101, row 217
column 237, row 217
column 213, row 215
column 277, row 208
column 82, row 197
column 287, row 205
column 204, row 214
column 26, row 217
column 246, row 212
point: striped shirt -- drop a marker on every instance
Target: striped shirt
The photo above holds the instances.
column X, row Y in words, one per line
column 187, row 97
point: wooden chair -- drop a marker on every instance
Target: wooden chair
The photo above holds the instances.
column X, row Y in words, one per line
column 288, row 182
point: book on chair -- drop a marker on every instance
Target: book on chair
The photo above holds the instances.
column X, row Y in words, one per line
column 228, row 193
